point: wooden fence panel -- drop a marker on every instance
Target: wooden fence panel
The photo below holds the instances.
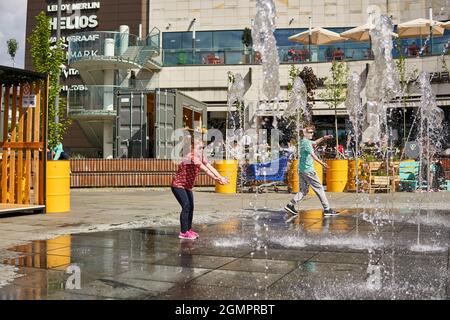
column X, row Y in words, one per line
column 99, row 173
column 24, row 142
column 5, row 152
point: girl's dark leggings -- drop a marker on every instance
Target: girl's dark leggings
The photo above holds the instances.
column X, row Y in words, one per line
column 186, row 199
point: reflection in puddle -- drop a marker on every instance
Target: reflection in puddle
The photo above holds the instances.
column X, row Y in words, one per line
column 45, row 254
column 230, row 242
column 8, row 274
column 427, row 248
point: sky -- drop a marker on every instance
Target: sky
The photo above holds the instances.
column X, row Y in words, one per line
column 13, row 16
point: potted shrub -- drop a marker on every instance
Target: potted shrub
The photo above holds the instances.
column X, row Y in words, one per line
column 247, row 42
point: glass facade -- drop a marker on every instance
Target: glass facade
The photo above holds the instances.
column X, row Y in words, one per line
column 225, row 47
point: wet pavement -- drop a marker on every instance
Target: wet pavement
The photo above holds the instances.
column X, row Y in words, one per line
column 402, row 254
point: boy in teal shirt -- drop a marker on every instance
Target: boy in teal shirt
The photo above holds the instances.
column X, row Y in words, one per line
column 307, row 174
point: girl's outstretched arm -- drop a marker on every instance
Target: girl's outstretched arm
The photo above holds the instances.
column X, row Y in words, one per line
column 210, row 173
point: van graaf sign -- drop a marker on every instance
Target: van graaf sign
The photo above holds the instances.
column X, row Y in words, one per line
column 94, row 45
column 78, row 16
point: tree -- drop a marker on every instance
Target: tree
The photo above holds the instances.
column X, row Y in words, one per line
column 336, row 92
column 48, row 59
column 12, row 48
column 310, row 81
column 406, row 79
column 247, row 41
column 247, row 37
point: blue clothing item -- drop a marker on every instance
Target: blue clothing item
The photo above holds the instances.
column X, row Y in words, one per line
column 306, row 164
column 58, row 150
column 186, row 200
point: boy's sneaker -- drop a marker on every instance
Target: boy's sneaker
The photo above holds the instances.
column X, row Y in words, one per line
column 187, row 235
column 195, row 234
column 291, row 209
column 330, row 212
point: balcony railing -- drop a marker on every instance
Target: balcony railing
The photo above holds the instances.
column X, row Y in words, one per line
column 98, row 99
column 115, row 45
column 345, row 51
column 94, row 99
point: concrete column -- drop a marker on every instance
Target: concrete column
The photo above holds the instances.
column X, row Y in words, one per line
column 124, row 38
column 109, row 47
column 108, row 140
column 108, row 91
column 108, row 101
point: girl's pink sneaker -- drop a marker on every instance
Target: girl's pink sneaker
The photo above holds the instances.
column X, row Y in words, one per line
column 187, row 235
column 193, row 233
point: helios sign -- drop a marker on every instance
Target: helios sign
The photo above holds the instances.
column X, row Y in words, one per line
column 75, row 20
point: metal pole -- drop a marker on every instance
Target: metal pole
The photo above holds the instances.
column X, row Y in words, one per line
column 141, row 125
column 193, row 42
column 431, row 30
column 428, row 160
column 356, row 153
column 370, row 37
column 309, row 38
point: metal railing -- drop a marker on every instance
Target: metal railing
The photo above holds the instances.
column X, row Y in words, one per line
column 344, row 51
column 92, row 99
column 115, row 45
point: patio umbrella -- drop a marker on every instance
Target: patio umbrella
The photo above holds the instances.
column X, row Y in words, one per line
column 319, row 36
column 420, row 27
column 361, row 33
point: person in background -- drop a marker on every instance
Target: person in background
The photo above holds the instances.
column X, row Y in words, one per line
column 58, row 153
column 341, row 153
column 338, row 54
column 413, row 50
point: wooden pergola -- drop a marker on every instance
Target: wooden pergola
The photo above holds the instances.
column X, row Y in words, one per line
column 23, row 140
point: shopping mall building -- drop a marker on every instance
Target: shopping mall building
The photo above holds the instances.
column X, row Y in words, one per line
column 138, row 69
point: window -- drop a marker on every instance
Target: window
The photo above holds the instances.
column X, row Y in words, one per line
column 172, row 40
column 228, row 40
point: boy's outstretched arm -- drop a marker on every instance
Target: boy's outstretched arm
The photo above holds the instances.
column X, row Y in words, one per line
column 320, row 140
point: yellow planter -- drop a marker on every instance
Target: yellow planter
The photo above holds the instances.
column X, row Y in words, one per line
column 229, row 170
column 337, row 175
column 351, row 185
column 293, row 176
column 58, row 186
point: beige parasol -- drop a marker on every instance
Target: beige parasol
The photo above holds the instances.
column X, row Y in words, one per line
column 420, row 27
column 361, row 33
column 319, row 36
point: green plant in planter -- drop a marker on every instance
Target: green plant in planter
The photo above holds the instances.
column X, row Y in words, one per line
column 369, row 157
column 49, row 59
column 247, row 41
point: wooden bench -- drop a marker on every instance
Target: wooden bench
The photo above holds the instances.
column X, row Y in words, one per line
column 382, row 182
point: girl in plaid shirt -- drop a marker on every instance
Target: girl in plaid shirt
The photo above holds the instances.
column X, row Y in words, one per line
column 183, row 182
